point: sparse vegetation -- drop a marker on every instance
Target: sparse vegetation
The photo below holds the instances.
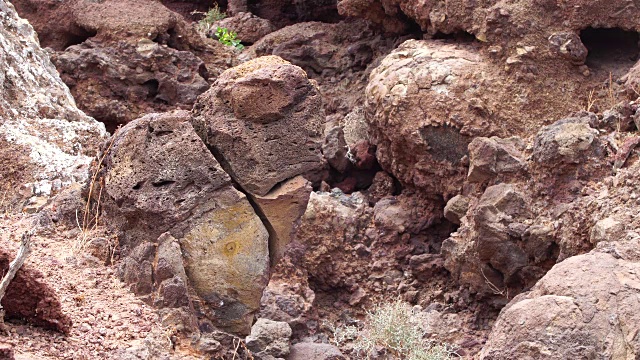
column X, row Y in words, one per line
column 210, row 17
column 229, row 38
column 394, row 328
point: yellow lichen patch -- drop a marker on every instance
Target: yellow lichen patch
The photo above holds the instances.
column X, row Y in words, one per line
column 226, row 253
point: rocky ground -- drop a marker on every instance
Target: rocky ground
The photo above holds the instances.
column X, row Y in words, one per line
column 193, row 200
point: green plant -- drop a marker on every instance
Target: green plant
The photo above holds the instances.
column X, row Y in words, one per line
column 393, row 327
column 214, row 14
column 229, row 38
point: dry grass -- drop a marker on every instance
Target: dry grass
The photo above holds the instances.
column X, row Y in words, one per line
column 91, row 213
column 209, row 18
column 393, row 327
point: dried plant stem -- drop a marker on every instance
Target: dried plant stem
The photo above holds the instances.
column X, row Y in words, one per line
column 15, row 265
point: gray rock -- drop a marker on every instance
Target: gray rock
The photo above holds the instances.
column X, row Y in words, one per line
column 335, row 150
column 269, row 338
column 315, row 351
column 607, row 229
column 456, row 208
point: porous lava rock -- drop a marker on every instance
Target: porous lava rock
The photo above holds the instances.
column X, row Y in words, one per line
column 123, row 58
column 46, row 142
column 262, row 120
column 160, row 178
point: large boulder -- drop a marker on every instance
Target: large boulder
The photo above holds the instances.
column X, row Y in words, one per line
column 425, row 149
column 162, row 186
column 46, row 143
column 585, row 307
column 263, row 120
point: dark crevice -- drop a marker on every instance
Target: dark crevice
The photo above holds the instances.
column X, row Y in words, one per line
column 78, row 37
column 256, row 208
column 162, row 183
column 457, row 36
column 610, row 47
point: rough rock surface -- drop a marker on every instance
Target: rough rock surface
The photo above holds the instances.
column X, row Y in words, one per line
column 28, row 297
column 282, row 208
column 515, row 230
column 315, row 351
column 340, row 56
column 46, row 143
column 269, row 338
column 160, row 178
column 123, row 81
column 124, row 58
column 585, row 307
column 263, row 120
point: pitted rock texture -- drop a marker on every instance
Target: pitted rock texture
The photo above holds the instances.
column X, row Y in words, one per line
column 585, row 307
column 429, row 99
column 424, row 105
column 46, row 143
column 514, row 230
column 123, row 59
column 263, row 120
column 29, row 298
column 340, row 56
column 160, row 178
column 123, row 81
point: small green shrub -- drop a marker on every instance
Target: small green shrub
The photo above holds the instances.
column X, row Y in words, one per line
column 229, row 38
column 392, row 326
column 214, row 14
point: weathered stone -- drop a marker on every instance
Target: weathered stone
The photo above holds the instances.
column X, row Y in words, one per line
column 568, row 141
column 426, row 150
column 315, row 351
column 46, row 143
column 283, row 207
column 335, row 150
column 456, row 208
column 263, row 121
column 492, row 156
column 160, row 178
column 269, row 338
column 585, row 307
column 607, row 229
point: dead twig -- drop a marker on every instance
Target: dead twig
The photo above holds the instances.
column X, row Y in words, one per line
column 15, row 265
column 496, row 290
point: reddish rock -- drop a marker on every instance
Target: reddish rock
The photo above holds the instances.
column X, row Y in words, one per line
column 28, row 297
column 263, row 121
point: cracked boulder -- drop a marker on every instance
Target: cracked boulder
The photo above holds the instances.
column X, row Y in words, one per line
column 262, row 120
column 163, row 188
